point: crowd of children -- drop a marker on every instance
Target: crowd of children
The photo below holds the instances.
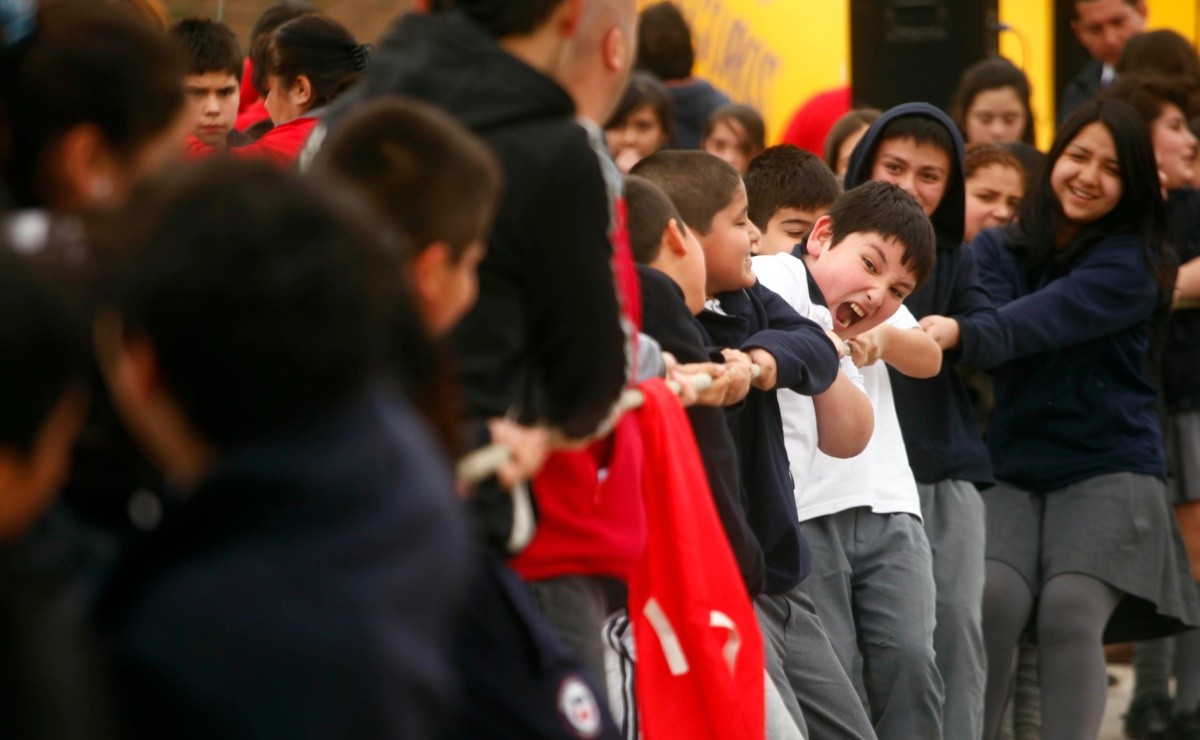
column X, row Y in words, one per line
column 882, row 441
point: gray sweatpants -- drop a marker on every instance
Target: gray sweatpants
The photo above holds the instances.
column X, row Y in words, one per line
column 954, row 522
column 803, row 667
column 872, row 583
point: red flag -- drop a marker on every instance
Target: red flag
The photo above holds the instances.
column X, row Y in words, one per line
column 699, row 663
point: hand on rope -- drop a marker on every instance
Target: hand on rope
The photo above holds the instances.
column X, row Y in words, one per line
column 487, row 461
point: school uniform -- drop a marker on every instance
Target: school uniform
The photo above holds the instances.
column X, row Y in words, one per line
column 1181, row 358
column 1075, row 435
column 872, row 579
column 945, row 449
column 815, row 689
column 693, row 101
column 1085, row 85
column 303, row 589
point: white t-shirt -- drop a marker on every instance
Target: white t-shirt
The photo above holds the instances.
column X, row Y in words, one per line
column 879, row 477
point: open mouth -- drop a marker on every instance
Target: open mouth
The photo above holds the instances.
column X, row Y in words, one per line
column 848, row 314
column 1081, row 194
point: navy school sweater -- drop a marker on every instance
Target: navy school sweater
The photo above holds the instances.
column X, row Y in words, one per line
column 1181, row 359
column 936, row 416
column 1073, row 400
column 808, row 364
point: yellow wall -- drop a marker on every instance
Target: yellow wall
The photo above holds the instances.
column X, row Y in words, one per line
column 775, row 54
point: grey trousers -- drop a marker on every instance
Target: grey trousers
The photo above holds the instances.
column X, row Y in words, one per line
column 872, row 583
column 954, row 523
column 803, row 667
column 575, row 607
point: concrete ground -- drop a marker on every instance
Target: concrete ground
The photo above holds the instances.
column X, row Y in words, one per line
column 1118, row 700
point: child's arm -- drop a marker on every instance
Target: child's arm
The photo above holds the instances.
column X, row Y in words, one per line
column 1110, row 288
column 845, row 418
column 794, row 352
column 912, row 353
column 1187, row 285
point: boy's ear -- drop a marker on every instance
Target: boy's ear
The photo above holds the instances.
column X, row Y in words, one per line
column 674, row 238
column 302, row 91
column 84, row 165
column 429, row 271
column 820, row 238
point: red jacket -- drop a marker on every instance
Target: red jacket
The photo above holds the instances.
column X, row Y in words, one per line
column 699, row 670
column 281, row 144
column 811, row 123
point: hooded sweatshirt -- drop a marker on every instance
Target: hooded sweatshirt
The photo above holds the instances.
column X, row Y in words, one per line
column 936, row 415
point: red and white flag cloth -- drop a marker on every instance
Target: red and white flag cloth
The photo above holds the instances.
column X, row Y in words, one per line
column 700, row 655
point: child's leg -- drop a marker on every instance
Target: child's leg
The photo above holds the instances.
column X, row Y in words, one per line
column 773, row 612
column 1071, row 616
column 830, row 703
column 954, row 522
column 894, row 608
column 1187, row 671
column 1007, row 603
column 1149, row 711
column 576, row 607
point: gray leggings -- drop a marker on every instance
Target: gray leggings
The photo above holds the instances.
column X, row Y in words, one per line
column 1072, row 612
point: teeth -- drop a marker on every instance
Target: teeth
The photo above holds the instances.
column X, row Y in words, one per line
column 1080, row 194
column 855, row 307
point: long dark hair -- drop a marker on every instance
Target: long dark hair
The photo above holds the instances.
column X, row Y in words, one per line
column 322, row 50
column 1139, row 211
column 991, row 74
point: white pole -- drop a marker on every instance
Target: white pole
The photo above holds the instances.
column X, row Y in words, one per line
column 220, row 10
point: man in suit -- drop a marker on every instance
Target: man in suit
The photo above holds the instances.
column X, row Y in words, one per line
column 1103, row 27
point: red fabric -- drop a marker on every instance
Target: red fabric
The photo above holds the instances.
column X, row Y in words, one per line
column 247, row 95
column 280, row 145
column 687, row 574
column 587, row 526
column 811, row 123
column 256, row 112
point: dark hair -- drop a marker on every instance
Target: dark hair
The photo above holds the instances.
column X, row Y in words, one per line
column 1139, row 211
column 86, row 64
column 150, row 12
column 889, row 211
column 1148, row 94
column 665, row 42
column 990, row 74
column 260, row 37
column 503, row 18
column 787, row 176
column 855, row 120
column 264, row 303
column 985, row 154
column 649, row 212
column 1032, row 160
column 923, row 130
column 699, row 184
column 322, row 50
column 1164, row 52
column 644, row 89
column 209, row 46
column 42, row 352
column 418, row 167
column 746, row 117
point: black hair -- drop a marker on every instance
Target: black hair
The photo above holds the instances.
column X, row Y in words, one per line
column 504, row 18
column 86, row 64
column 42, row 351
column 1075, row 4
column 209, row 46
column 260, row 37
column 1032, row 160
column 322, row 50
column 748, row 118
column 787, row 176
column 889, row 211
column 420, row 168
column 923, row 130
column 1139, row 211
column 1148, row 94
column 644, row 89
column 990, row 74
column 264, row 301
column 699, row 184
column 665, row 42
column 649, row 212
column 855, row 120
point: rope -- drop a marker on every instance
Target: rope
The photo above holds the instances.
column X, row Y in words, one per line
column 483, row 463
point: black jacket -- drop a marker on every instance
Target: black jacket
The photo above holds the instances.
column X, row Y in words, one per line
column 936, row 416
column 1181, row 358
column 665, row 317
column 808, row 364
column 545, row 335
column 303, row 590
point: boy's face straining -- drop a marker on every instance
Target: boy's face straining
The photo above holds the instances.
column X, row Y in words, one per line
column 863, row 278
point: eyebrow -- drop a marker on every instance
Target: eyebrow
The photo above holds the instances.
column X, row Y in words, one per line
column 909, row 286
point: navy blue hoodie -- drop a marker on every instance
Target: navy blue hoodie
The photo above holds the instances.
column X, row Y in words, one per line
column 807, row 363
column 936, row 416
